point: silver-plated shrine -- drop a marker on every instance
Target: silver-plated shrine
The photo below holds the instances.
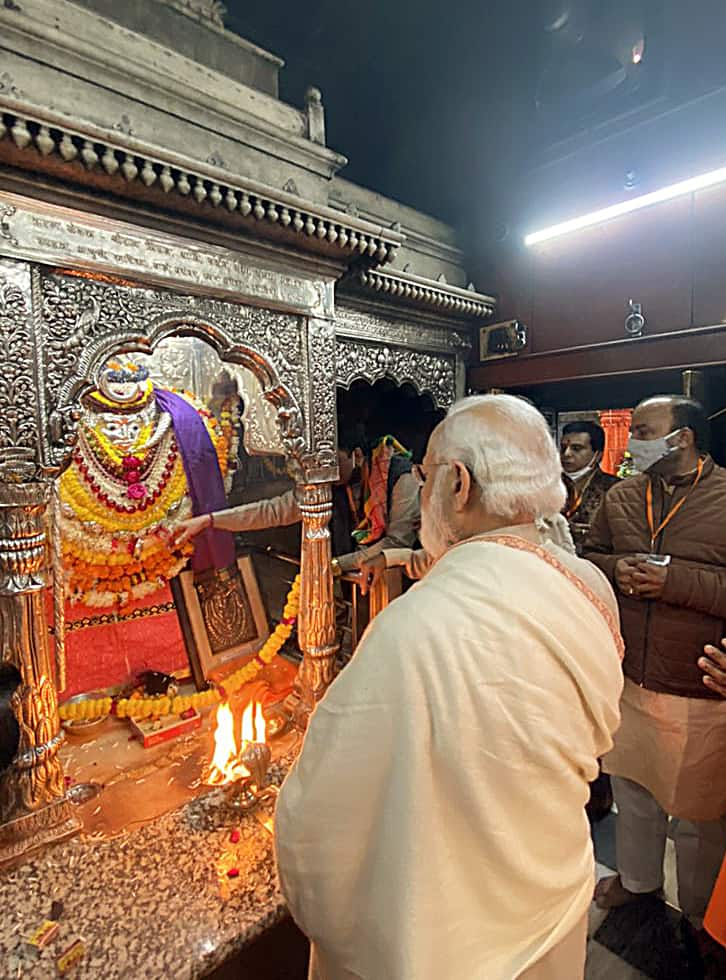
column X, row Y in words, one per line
column 139, row 203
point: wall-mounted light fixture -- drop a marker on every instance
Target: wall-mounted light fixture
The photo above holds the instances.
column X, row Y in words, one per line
column 625, row 207
column 634, row 321
column 502, row 340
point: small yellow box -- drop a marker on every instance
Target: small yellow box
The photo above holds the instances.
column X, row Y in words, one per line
column 44, row 934
column 67, row 960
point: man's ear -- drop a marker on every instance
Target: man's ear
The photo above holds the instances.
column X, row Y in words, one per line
column 463, row 485
column 685, row 439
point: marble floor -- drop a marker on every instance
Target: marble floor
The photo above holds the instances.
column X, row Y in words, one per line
column 641, row 942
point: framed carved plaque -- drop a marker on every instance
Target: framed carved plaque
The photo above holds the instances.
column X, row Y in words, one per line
column 222, row 616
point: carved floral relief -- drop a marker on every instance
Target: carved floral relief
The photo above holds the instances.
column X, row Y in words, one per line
column 432, row 374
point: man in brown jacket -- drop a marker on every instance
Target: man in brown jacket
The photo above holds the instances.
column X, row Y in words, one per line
column 661, row 539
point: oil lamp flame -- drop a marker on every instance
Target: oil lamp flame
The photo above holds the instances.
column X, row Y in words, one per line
column 254, row 728
column 227, row 765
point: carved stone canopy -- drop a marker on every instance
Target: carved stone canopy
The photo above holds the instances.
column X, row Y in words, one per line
column 120, row 165
column 210, row 12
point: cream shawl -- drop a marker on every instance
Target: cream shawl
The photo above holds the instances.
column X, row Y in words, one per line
column 433, row 827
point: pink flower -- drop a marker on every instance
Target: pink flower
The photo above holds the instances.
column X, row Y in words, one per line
column 132, row 476
column 136, row 491
column 131, row 462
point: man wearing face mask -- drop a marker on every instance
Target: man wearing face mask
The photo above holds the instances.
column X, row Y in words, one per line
column 581, row 450
column 661, row 539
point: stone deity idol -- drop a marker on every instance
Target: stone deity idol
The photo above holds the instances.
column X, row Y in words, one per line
column 146, row 457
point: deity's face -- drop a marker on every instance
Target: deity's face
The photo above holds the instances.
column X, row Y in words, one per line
column 122, row 431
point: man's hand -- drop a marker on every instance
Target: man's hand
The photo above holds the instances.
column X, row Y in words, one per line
column 370, row 572
column 713, row 666
column 185, row 530
column 649, row 580
column 624, row 571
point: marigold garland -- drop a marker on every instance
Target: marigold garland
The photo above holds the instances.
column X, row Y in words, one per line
column 115, row 553
column 141, row 707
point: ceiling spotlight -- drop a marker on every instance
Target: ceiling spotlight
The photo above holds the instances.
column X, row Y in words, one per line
column 638, row 51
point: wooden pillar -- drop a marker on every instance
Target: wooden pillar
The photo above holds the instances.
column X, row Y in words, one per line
column 316, row 624
column 34, row 810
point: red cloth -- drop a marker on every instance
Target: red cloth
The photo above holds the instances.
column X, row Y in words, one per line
column 616, row 424
column 375, row 490
column 715, row 921
column 102, row 653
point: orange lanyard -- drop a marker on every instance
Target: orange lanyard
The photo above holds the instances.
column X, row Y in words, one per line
column 580, row 497
column 655, row 531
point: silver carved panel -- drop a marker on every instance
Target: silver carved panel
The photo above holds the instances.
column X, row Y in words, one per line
column 321, row 386
column 182, row 363
column 19, row 409
column 420, row 335
column 47, row 233
column 190, row 364
column 261, row 431
column 84, row 321
column 432, row 374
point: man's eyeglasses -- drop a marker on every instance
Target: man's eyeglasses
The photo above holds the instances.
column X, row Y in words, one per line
column 420, row 474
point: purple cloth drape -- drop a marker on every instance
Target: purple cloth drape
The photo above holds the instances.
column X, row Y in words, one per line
column 212, row 548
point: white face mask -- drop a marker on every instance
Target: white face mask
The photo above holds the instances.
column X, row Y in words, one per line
column 647, row 452
column 585, row 469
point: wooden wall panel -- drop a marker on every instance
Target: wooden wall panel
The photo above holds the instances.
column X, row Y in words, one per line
column 709, row 249
column 511, row 272
column 683, row 349
column 583, row 281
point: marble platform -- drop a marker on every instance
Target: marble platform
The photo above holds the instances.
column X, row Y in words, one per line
column 154, row 903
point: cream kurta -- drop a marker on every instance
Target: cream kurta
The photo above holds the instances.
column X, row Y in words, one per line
column 674, row 747
column 434, row 825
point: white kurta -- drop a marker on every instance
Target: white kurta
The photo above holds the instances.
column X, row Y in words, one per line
column 433, row 827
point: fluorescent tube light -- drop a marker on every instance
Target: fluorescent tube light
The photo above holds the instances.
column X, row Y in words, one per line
column 625, row 207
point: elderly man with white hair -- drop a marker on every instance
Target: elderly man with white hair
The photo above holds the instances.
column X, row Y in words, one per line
column 434, row 824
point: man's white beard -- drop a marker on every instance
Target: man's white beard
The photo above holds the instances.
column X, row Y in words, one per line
column 437, row 533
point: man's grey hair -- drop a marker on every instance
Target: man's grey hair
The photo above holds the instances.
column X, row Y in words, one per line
column 507, row 447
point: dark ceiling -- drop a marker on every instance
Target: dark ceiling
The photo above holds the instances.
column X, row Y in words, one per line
column 451, row 107
column 422, row 96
